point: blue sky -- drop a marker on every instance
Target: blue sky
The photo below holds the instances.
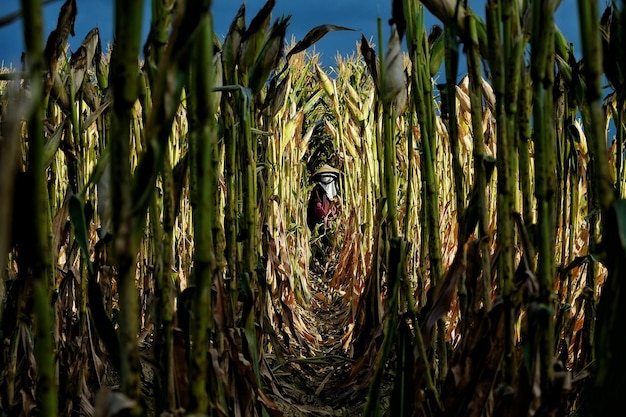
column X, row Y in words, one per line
column 360, row 15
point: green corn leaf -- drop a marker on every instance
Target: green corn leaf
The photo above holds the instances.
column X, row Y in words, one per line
column 79, row 222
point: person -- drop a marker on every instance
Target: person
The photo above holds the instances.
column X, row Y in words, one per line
column 321, row 207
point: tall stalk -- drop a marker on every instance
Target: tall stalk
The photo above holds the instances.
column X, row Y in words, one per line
column 40, row 254
column 229, row 110
column 124, row 71
column 421, row 92
column 392, row 82
column 203, row 151
column 523, row 145
column 450, row 117
column 391, row 61
column 505, row 239
column 162, row 237
column 480, row 173
column 542, row 74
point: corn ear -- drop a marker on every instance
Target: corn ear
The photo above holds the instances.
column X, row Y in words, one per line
column 355, row 112
column 327, row 83
column 437, row 54
column 85, row 55
column 395, row 79
column 253, row 39
column 277, row 94
column 269, row 57
column 232, row 43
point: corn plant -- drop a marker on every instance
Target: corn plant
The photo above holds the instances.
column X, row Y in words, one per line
column 475, row 253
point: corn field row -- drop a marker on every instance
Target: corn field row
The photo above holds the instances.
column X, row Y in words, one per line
column 153, row 240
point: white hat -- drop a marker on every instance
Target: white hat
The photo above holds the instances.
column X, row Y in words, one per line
column 326, row 169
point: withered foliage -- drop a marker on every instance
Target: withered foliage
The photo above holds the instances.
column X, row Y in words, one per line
column 439, row 288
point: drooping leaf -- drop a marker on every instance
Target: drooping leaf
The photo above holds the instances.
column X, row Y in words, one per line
column 58, row 37
column 277, row 94
column 52, row 144
column 60, row 227
column 314, row 35
column 369, row 55
column 7, row 19
column 79, row 222
column 445, row 292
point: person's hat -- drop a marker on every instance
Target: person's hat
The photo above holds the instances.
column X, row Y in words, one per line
column 326, row 169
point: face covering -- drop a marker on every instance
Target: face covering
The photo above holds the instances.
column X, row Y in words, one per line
column 327, row 181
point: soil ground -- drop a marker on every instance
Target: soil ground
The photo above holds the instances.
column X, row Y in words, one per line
column 318, row 382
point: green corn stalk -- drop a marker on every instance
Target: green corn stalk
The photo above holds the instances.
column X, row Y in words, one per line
column 372, row 405
column 231, row 131
column 450, row 118
column 162, row 238
column 480, row 174
column 515, row 41
column 247, row 163
column 204, row 172
column 524, row 146
column 124, row 79
column 449, row 103
column 422, row 95
column 40, row 252
column 542, row 62
column 158, row 36
column 392, row 77
column 161, row 244
column 391, row 83
column 505, row 203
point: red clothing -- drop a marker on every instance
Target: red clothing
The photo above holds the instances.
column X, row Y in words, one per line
column 320, row 207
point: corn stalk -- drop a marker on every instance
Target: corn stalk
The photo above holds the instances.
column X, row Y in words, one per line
column 162, row 210
column 204, row 177
column 125, row 82
column 544, row 138
column 38, row 252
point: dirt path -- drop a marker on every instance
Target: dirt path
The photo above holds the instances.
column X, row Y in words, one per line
column 318, row 383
